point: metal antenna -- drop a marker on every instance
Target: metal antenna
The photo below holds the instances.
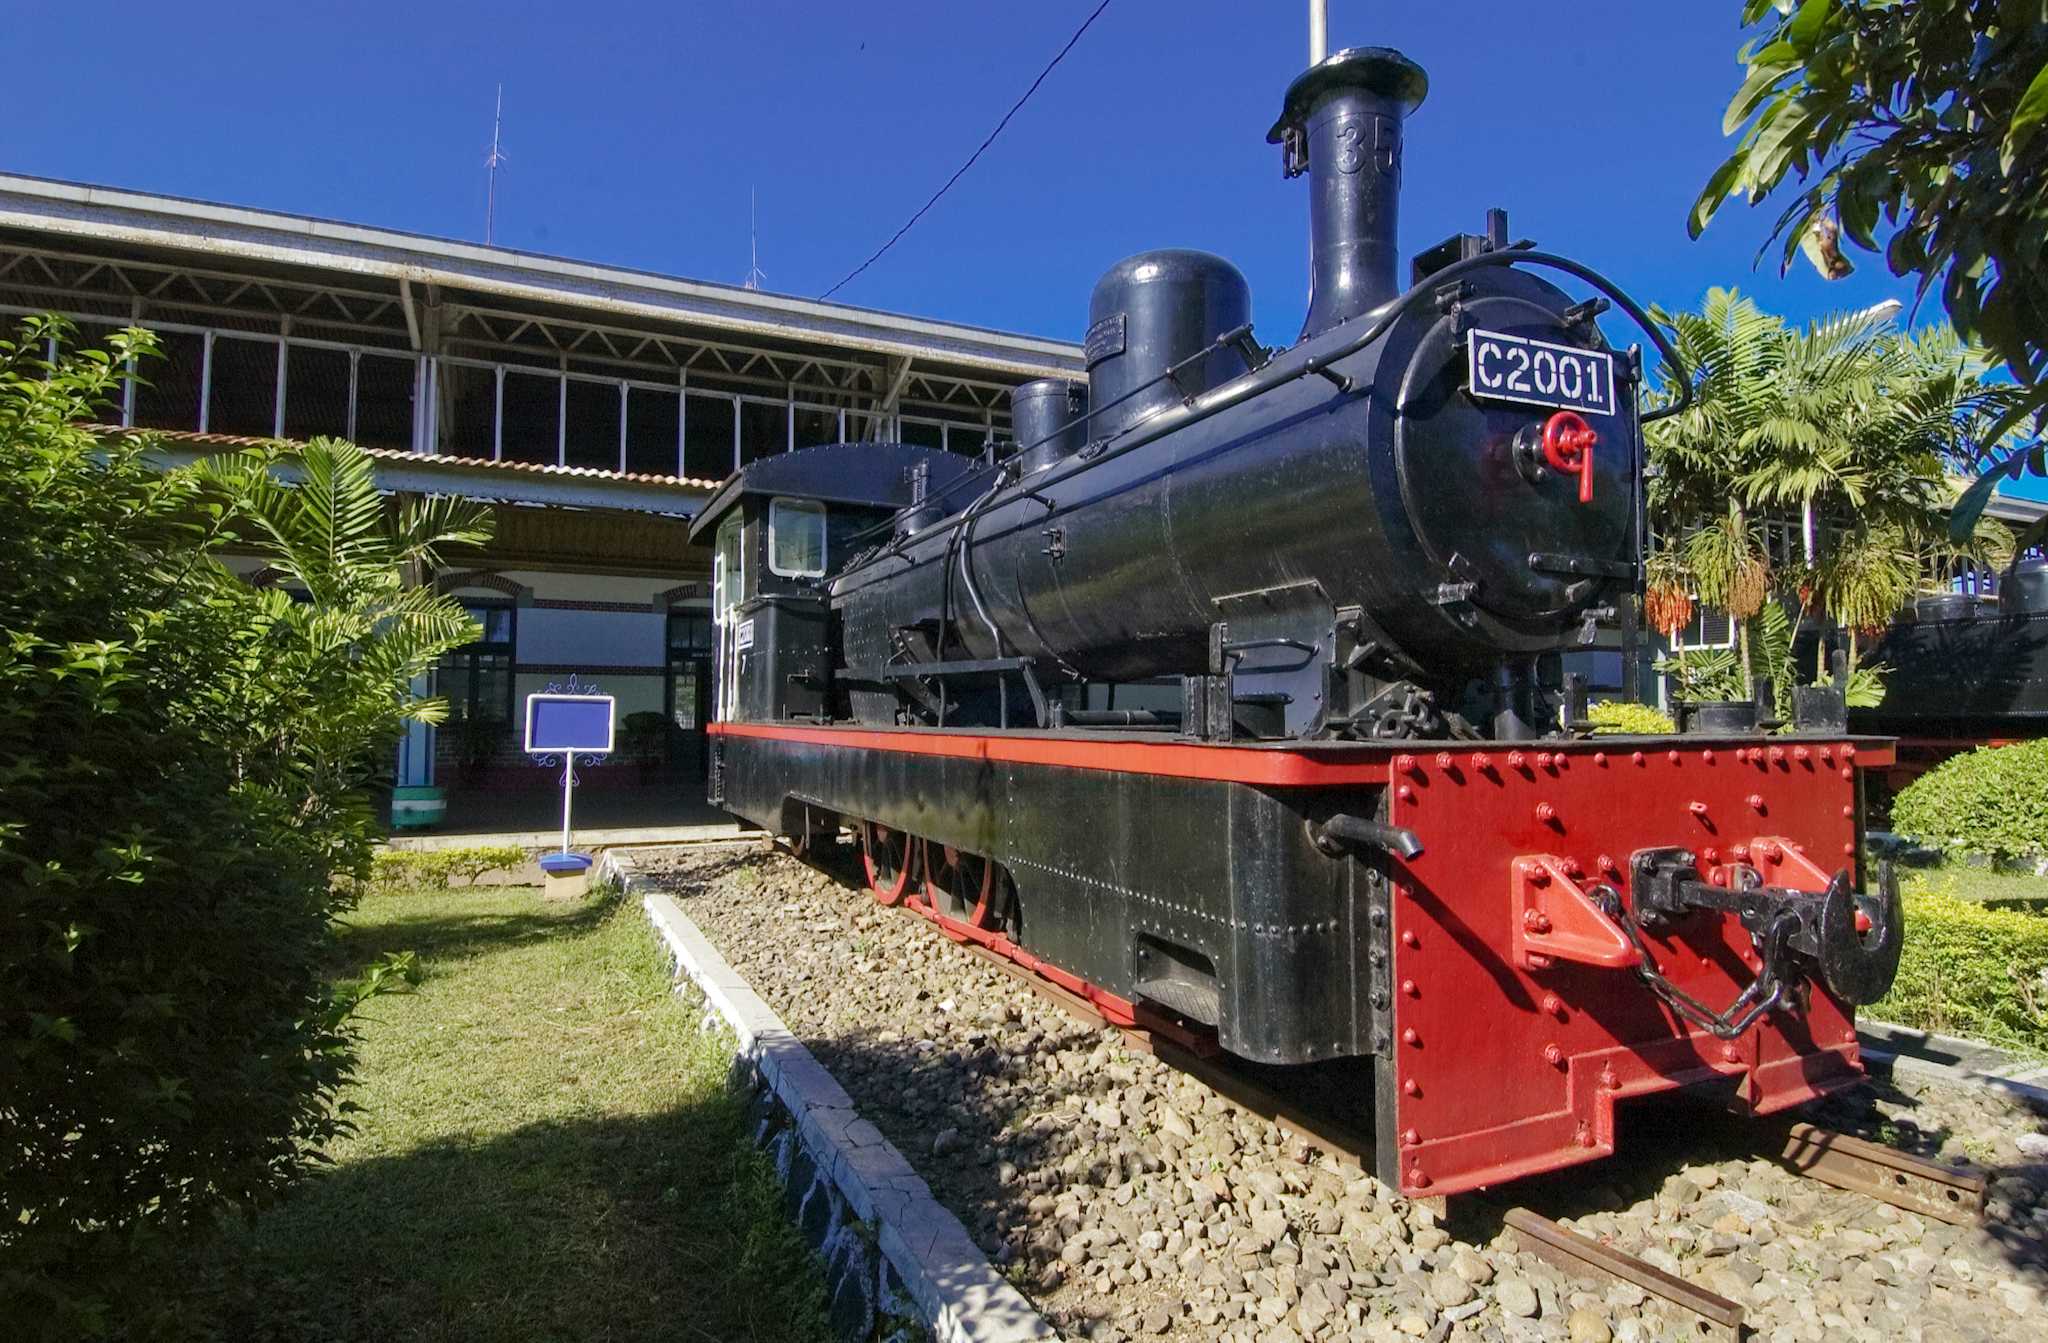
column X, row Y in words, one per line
column 496, row 157
column 1318, row 31
column 754, row 272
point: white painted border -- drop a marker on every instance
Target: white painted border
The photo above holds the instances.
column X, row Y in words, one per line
column 961, row 1296
column 611, row 723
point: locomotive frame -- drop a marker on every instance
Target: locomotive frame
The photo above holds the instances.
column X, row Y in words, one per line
column 1202, row 890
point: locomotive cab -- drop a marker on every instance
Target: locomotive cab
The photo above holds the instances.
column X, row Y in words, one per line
column 778, row 528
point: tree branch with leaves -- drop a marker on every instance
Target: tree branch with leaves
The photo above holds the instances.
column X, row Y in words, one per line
column 1916, row 129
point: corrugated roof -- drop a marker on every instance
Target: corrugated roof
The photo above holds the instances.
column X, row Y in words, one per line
column 197, row 439
column 152, row 220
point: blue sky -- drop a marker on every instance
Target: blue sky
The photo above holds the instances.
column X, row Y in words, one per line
column 635, row 131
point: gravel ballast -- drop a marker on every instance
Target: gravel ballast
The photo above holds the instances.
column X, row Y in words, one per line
column 1128, row 1201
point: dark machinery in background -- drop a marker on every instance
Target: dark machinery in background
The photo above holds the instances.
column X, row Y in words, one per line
column 1964, row 673
column 1230, row 698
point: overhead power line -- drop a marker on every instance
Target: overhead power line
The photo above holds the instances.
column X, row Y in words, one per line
column 962, row 170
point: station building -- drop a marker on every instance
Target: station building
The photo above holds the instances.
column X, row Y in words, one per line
column 593, row 408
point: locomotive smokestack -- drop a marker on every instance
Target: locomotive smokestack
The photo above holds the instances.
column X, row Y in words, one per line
column 1342, row 124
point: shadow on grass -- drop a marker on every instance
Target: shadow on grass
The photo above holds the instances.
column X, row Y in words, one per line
column 449, row 928
column 660, row 1226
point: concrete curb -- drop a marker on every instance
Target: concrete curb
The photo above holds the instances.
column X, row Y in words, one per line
column 856, row 1178
column 1949, row 1059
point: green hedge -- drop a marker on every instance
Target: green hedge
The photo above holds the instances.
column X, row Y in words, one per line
column 1993, row 801
column 1971, row 971
column 1620, row 718
column 395, row 869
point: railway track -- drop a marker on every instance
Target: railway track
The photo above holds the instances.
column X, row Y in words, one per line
column 1930, row 1189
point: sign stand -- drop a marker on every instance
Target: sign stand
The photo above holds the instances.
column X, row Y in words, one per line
column 568, row 793
column 564, row 725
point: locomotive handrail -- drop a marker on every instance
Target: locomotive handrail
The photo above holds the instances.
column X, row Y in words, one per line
column 1393, row 311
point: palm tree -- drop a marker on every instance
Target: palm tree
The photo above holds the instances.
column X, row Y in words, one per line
column 1705, row 539
column 1846, row 421
column 370, row 625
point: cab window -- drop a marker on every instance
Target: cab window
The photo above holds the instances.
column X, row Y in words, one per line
column 796, row 538
column 726, row 568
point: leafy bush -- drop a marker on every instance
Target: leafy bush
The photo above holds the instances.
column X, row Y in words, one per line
column 398, row 869
column 182, row 770
column 1704, row 674
column 1992, row 801
column 1972, row 971
column 1619, row 718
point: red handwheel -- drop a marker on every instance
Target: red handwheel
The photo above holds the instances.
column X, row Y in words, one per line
column 1568, row 443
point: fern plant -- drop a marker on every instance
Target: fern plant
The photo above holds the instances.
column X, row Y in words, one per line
column 316, row 517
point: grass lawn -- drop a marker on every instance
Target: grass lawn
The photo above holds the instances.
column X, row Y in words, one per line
column 2022, row 890
column 547, row 1151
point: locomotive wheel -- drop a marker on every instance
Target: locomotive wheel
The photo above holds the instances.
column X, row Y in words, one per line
column 960, row 885
column 889, row 857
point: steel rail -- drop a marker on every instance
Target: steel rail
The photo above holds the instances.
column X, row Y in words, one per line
column 1947, row 1193
column 1717, row 1317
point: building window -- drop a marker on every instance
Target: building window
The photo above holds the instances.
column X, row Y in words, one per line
column 651, row 429
column 384, row 400
column 316, row 391
column 796, row 538
column 167, row 389
column 1709, row 629
column 922, row 433
column 592, row 438
column 466, row 402
column 242, row 397
column 966, row 439
column 707, row 436
column 476, row 679
column 764, row 429
column 689, row 634
column 531, row 428
column 815, row 425
column 689, row 680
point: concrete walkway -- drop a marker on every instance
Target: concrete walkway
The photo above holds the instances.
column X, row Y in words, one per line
column 1946, row 1057
column 622, row 837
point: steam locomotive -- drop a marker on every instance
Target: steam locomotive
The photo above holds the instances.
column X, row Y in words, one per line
column 1965, row 673
column 1231, row 698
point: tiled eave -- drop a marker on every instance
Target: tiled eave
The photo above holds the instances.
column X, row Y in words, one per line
column 470, row 477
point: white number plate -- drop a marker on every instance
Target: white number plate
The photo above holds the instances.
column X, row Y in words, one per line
column 1539, row 373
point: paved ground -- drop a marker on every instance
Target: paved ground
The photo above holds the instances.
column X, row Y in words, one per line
column 1128, row 1201
column 480, row 811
